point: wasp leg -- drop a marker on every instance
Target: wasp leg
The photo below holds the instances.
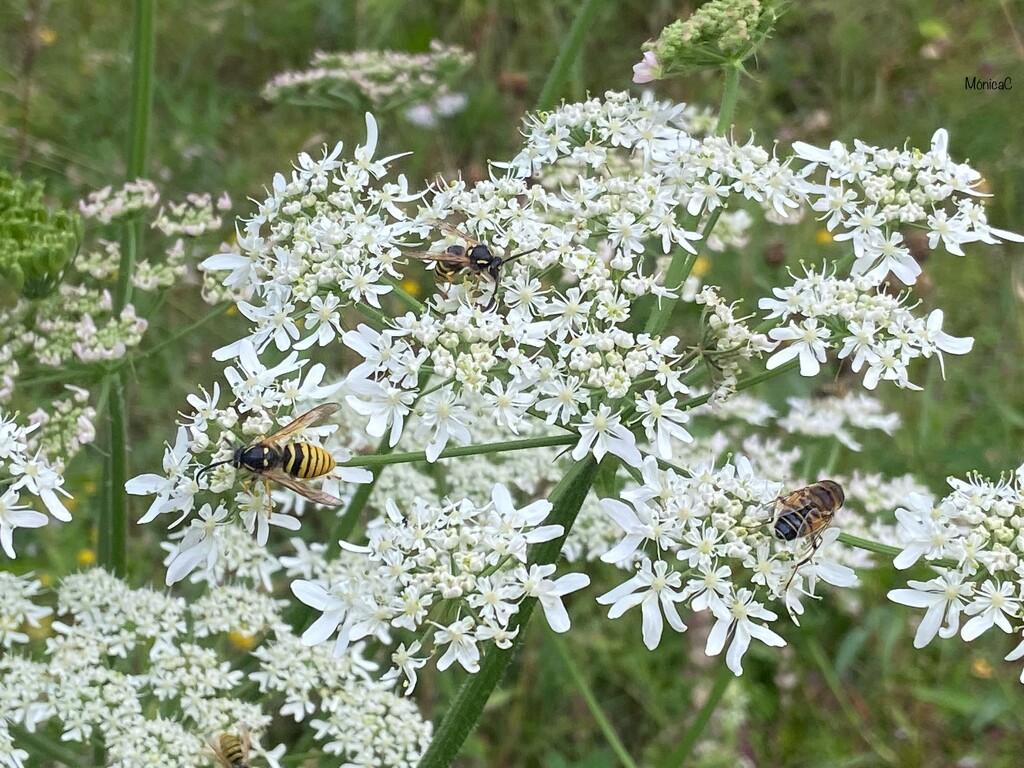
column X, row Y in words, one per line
column 270, row 499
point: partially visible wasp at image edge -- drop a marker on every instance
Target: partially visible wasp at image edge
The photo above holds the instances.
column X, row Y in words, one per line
column 232, row 751
column 478, row 259
column 807, row 512
column 287, row 464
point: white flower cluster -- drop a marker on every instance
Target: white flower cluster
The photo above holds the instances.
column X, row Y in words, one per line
column 672, row 168
column 197, row 215
column 704, row 540
column 324, row 239
column 869, row 193
column 261, row 396
column 25, row 471
column 470, row 559
column 120, row 654
column 830, row 416
column 974, row 539
column 17, row 609
column 365, row 722
column 237, row 555
column 573, row 263
column 868, row 325
column 108, row 204
column 382, row 80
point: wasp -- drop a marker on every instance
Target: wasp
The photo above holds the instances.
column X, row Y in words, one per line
column 807, row 512
column 232, row 751
column 287, row 464
column 475, row 257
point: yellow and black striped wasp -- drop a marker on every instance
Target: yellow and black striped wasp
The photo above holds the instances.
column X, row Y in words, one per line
column 232, row 751
column 286, row 464
column 807, row 512
column 475, row 258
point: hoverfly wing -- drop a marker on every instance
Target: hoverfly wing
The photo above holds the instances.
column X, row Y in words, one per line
column 308, row 419
column 223, row 759
column 320, row 497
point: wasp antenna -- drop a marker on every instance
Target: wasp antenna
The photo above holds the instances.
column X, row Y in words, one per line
column 208, row 467
column 522, row 253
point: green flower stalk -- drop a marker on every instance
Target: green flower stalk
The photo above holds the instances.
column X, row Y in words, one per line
column 720, row 33
column 36, row 244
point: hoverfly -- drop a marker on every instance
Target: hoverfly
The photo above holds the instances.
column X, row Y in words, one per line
column 475, row 257
column 232, row 751
column 807, row 512
column 287, row 464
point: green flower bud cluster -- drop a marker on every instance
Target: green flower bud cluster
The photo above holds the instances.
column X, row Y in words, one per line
column 36, row 244
column 719, row 33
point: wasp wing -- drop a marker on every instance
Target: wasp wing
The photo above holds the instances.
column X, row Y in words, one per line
column 442, row 256
column 320, row 497
column 308, row 419
column 456, row 232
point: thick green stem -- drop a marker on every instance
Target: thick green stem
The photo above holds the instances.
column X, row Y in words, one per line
column 144, row 56
column 885, row 549
column 580, row 680
column 567, row 54
column 567, row 498
column 144, row 48
column 381, row 459
column 681, row 754
column 113, row 519
column 730, row 93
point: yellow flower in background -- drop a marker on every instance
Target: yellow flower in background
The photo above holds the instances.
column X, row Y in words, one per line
column 701, row 266
column 85, row 557
column 241, row 641
column 823, row 237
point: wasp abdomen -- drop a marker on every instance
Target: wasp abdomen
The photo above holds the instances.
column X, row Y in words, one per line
column 306, row 460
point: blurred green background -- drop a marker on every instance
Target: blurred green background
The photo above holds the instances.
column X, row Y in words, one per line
column 849, row 690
